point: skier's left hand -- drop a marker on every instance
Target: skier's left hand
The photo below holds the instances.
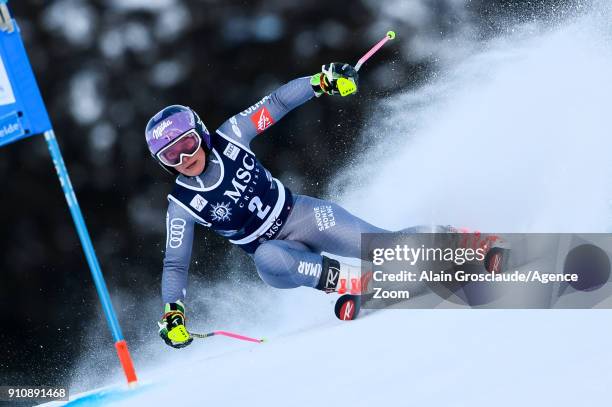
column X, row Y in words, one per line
column 335, row 78
column 172, row 326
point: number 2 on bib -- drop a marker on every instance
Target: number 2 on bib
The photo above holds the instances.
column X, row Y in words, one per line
column 256, row 204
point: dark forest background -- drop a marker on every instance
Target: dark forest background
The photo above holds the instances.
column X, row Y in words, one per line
column 105, row 66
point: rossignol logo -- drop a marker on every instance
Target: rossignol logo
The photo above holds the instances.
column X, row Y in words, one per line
column 9, row 129
column 158, row 132
column 347, row 310
column 332, row 278
column 309, row 269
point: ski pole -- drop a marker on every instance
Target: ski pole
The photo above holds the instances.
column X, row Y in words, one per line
column 390, row 35
column 346, row 86
column 228, row 334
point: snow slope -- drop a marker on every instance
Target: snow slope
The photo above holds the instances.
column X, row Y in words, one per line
column 514, row 137
column 400, row 357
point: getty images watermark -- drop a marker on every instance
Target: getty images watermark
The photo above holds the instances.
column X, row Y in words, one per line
column 463, row 270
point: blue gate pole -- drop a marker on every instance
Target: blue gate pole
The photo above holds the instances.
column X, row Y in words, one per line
column 23, row 114
column 92, row 260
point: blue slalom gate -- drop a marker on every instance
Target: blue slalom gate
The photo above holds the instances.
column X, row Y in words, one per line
column 23, row 114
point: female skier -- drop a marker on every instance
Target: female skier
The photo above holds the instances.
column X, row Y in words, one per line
column 221, row 185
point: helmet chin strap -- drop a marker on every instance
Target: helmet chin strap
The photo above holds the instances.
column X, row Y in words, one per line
column 206, row 159
column 169, row 170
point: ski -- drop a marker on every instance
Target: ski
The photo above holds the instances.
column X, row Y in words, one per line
column 347, row 307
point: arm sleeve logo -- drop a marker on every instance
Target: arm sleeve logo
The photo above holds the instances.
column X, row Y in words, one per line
column 262, row 119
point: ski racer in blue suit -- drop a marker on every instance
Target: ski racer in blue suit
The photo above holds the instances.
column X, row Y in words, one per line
column 221, row 185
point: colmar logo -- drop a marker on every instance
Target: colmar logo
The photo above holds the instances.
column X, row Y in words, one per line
column 158, row 132
column 309, row 269
column 254, row 107
column 262, row 119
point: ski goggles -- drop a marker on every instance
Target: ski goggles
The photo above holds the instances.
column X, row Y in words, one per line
column 184, row 146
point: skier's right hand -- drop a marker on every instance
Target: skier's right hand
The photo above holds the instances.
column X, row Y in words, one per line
column 337, row 78
column 172, row 326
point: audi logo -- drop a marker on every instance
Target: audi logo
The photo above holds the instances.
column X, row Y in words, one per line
column 176, row 230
